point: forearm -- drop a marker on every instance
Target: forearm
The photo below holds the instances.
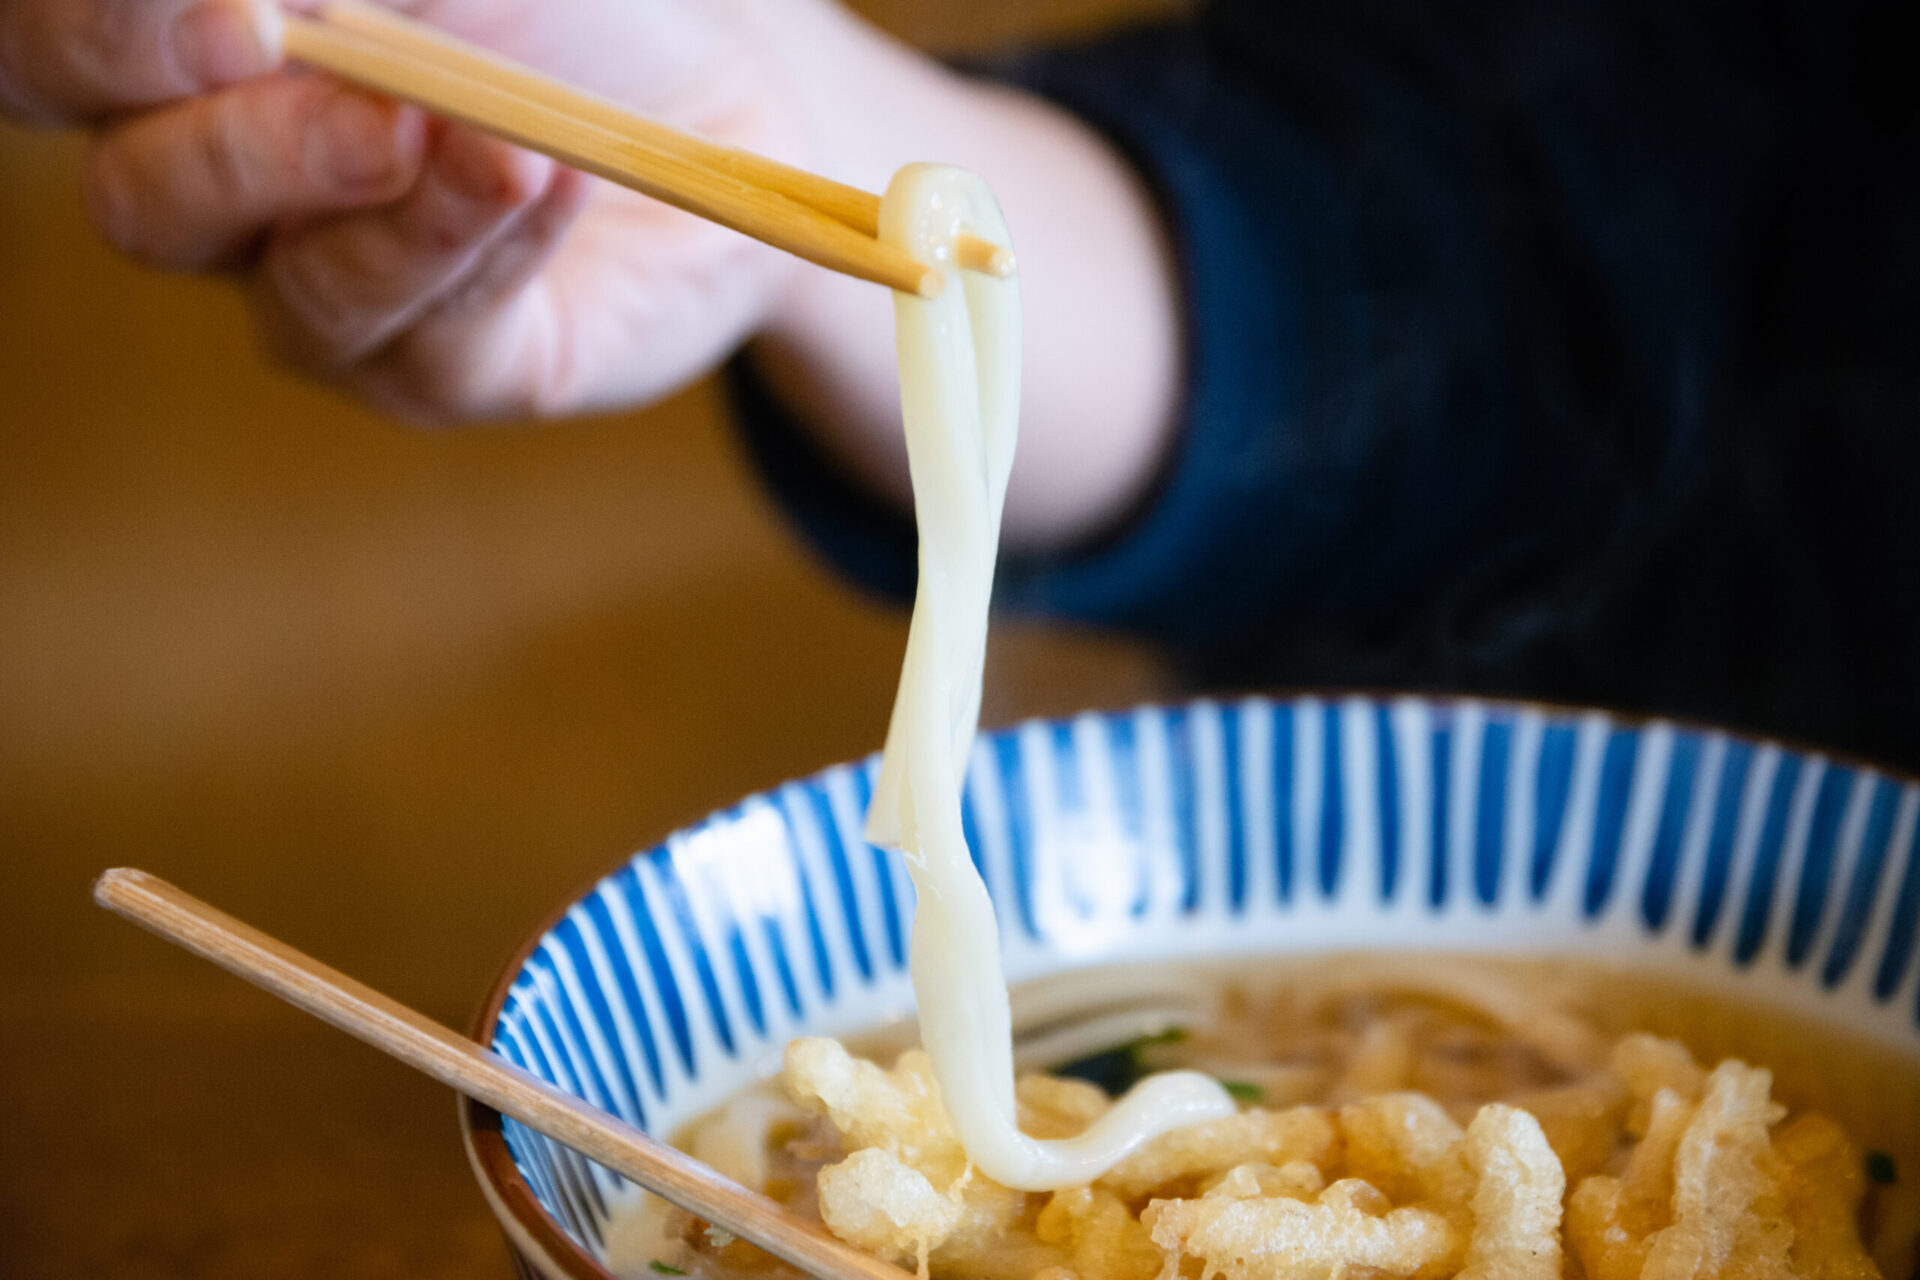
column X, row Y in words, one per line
column 1103, row 332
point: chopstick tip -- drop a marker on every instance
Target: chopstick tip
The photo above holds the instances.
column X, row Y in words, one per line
column 975, row 253
column 109, row 884
column 932, row 284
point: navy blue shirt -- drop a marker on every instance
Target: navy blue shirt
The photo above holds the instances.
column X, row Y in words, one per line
column 1566, row 351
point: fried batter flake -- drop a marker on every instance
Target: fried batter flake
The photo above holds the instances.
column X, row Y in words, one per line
column 1254, row 1136
column 1824, row 1185
column 875, row 1202
column 1516, row 1199
column 1609, row 1219
column 898, row 1111
column 1646, row 1065
column 1729, row 1217
column 1408, row 1146
column 1104, row 1239
column 1284, row 1239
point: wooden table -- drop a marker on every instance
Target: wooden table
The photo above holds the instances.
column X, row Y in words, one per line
column 387, row 695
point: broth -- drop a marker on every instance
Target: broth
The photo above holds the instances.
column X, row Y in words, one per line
column 1296, row 1041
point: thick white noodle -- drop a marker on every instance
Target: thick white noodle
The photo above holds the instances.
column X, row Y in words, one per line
column 960, row 390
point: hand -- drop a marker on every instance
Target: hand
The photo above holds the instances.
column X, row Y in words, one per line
column 425, row 266
column 447, row 276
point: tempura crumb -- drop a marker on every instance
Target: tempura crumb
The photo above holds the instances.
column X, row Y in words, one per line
column 1516, row 1198
column 1281, row 1238
column 872, row 1200
column 1728, row 1206
column 1622, row 1162
column 1407, row 1145
column 1103, row 1236
column 1252, row 1136
column 1646, row 1065
column 897, row 1111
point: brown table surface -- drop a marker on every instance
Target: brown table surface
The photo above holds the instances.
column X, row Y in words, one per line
column 387, row 695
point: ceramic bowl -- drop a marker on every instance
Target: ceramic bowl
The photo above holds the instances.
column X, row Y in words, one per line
column 1206, row 830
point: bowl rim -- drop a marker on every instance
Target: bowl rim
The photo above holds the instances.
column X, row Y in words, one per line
column 481, row 1126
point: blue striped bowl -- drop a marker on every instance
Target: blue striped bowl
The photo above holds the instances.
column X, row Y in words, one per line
column 1203, row 830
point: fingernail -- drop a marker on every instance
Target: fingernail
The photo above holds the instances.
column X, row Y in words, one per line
column 357, row 142
column 220, row 41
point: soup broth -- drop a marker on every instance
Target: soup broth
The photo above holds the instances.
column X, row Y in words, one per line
column 1382, row 1105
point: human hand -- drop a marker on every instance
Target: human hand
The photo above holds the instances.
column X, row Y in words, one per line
column 446, row 276
column 438, row 272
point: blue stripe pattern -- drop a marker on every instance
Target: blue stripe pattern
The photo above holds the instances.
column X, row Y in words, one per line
column 1218, row 827
column 1616, row 776
column 1386, row 762
column 1656, row 896
column 1555, row 782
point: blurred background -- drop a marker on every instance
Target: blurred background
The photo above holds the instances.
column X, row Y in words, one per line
column 387, row 695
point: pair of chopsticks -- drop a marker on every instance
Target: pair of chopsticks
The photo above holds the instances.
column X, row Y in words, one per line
column 453, row 1060
column 807, row 215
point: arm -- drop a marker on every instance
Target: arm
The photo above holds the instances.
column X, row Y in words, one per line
column 1102, row 360
column 446, row 276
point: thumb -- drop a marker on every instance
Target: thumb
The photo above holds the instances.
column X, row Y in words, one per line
column 65, row 61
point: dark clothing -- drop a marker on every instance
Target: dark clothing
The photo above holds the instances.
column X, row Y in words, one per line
column 1567, row 351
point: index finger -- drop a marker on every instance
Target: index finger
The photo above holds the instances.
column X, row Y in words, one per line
column 66, row 61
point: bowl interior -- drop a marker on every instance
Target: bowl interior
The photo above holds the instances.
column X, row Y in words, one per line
column 1207, row 830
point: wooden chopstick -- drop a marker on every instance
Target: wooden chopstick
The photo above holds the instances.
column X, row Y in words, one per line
column 751, row 210
column 737, row 188
column 454, row 1060
column 858, row 209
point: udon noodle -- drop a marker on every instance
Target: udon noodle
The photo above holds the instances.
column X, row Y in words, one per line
column 960, row 387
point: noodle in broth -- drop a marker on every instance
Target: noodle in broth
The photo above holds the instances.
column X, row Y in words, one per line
column 959, row 360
